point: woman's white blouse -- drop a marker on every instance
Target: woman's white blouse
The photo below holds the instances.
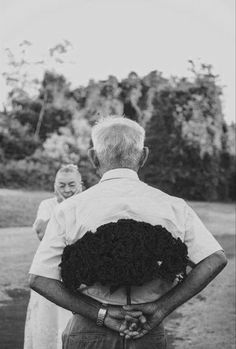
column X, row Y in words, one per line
column 45, row 210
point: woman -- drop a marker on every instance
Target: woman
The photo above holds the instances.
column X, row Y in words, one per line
column 45, row 321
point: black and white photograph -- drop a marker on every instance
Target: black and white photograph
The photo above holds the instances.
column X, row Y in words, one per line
column 117, row 174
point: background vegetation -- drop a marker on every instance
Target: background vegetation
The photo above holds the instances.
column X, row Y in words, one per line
column 192, row 147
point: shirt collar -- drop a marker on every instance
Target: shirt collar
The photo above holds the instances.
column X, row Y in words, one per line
column 119, row 173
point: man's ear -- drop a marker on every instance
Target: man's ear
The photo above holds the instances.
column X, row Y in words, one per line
column 93, row 157
column 144, row 157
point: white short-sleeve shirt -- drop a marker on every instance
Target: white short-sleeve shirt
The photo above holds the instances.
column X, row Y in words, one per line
column 45, row 210
column 120, row 194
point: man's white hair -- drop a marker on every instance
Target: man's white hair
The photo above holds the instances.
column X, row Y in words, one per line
column 118, row 141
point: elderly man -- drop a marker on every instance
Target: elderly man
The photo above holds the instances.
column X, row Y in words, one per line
column 100, row 321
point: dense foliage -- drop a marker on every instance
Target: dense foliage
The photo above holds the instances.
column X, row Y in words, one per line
column 192, row 148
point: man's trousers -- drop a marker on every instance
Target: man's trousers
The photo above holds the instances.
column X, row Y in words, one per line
column 82, row 333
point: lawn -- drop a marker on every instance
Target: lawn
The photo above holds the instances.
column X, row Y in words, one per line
column 18, row 208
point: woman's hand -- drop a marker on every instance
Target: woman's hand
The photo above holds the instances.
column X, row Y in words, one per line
column 40, row 228
column 61, row 198
column 59, row 195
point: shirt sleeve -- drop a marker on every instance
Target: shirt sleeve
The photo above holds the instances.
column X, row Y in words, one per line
column 199, row 240
column 48, row 256
column 44, row 213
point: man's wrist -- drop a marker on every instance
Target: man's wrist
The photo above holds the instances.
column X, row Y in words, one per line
column 102, row 312
column 160, row 312
column 87, row 307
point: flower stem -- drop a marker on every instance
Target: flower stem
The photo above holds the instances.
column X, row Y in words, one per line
column 128, row 292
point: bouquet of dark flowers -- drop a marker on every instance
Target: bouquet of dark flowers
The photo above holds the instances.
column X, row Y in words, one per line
column 123, row 254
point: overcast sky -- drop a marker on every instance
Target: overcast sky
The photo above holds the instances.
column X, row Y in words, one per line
column 119, row 36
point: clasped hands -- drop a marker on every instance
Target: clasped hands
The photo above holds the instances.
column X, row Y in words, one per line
column 133, row 321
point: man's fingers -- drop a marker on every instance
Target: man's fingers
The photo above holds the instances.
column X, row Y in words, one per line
column 131, row 333
column 133, row 327
column 123, row 327
column 131, row 315
column 132, row 307
column 134, row 313
column 140, row 334
column 131, row 319
column 134, row 334
column 142, row 319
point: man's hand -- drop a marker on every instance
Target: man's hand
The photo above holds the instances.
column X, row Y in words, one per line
column 117, row 319
column 150, row 318
column 199, row 277
column 55, row 291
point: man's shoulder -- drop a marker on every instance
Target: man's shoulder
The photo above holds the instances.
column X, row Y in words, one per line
column 75, row 200
column 164, row 197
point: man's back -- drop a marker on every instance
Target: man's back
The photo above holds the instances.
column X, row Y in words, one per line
column 121, row 195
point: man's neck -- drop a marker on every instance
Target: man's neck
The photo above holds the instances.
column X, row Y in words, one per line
column 101, row 171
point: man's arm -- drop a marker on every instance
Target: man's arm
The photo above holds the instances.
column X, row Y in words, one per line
column 204, row 272
column 196, row 281
column 45, row 277
column 55, row 291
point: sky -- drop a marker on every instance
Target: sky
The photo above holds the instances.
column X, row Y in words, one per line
column 115, row 37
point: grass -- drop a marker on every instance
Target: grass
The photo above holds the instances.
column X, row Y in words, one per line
column 18, row 208
column 218, row 217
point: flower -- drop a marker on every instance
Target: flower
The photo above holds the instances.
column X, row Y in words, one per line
column 123, row 254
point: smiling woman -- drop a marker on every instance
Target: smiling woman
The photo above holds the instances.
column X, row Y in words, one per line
column 68, row 182
column 45, row 321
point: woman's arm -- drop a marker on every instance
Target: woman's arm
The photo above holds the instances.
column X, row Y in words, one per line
column 40, row 227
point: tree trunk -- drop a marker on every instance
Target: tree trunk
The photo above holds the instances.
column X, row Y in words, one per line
column 41, row 115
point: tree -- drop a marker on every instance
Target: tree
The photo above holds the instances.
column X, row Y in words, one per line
column 21, row 80
column 185, row 135
column 192, row 148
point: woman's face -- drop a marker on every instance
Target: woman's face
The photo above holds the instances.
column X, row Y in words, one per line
column 68, row 184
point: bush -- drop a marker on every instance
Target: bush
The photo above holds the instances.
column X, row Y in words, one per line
column 28, row 174
column 17, row 142
column 188, row 157
column 53, row 119
column 192, row 151
column 38, row 172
